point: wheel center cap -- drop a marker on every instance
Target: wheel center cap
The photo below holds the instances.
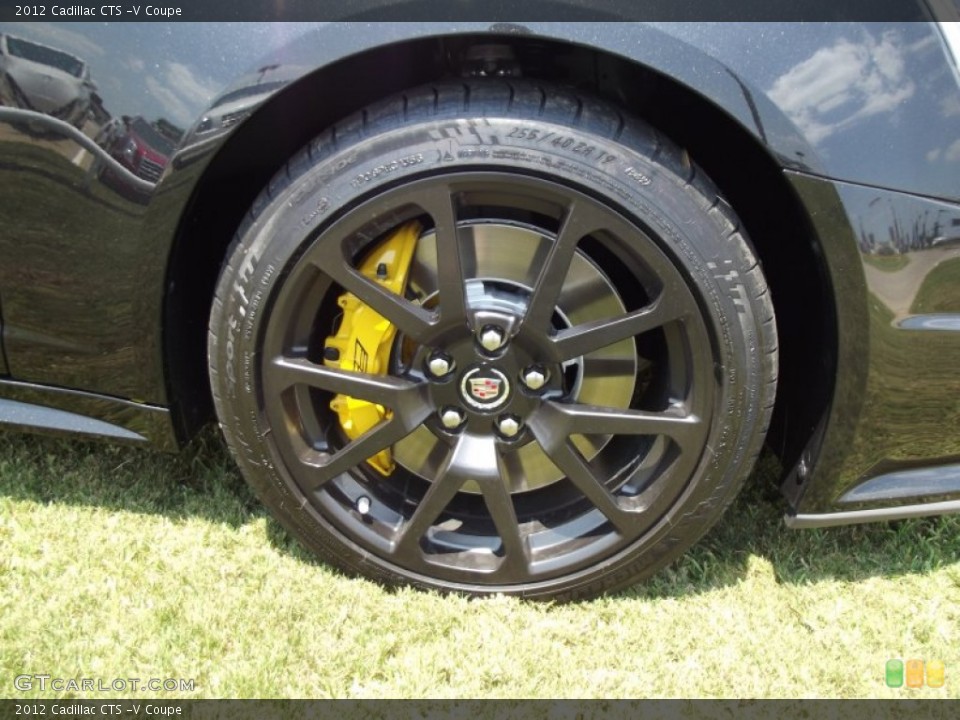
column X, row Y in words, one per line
column 484, row 388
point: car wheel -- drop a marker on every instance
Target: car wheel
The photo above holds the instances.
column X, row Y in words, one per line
column 494, row 337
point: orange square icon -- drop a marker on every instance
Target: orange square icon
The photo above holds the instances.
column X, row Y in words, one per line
column 935, row 673
column 914, row 673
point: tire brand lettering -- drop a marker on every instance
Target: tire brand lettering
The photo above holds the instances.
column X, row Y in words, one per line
column 480, row 153
column 387, row 168
column 732, row 278
column 323, row 204
column 309, row 185
column 467, row 132
column 234, row 321
column 268, row 273
column 251, row 314
column 558, row 164
column 634, row 174
column 303, row 191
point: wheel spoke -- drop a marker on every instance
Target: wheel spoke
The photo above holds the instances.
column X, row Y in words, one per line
column 500, row 505
column 321, row 469
column 590, row 420
column 476, row 459
column 439, row 203
column 410, row 319
column 572, row 464
column 334, row 252
column 399, row 395
column 443, row 489
column 581, row 219
column 589, row 337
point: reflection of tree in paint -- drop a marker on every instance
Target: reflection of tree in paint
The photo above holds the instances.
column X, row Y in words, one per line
column 889, row 225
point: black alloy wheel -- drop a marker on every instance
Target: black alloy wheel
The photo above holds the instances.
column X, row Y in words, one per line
column 578, row 370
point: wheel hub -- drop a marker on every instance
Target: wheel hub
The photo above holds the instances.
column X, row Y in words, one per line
column 501, row 262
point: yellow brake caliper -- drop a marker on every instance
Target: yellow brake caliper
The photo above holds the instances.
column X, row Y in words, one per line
column 364, row 338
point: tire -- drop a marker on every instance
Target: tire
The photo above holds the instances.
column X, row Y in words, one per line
column 608, row 338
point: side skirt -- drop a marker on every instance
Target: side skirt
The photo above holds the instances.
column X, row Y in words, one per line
column 854, row 517
column 28, row 407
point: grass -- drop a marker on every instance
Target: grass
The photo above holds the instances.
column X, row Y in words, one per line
column 119, row 563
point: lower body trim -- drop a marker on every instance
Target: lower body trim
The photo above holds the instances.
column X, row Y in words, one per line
column 854, row 517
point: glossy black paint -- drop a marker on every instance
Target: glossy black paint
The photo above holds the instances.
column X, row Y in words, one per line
column 894, row 264
column 105, row 278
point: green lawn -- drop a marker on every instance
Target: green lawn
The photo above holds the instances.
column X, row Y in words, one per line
column 117, row 563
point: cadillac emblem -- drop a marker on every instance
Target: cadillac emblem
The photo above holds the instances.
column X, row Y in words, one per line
column 484, row 388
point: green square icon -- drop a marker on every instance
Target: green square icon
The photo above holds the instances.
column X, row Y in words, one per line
column 894, row 673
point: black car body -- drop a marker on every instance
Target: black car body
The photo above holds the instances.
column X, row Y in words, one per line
column 836, row 144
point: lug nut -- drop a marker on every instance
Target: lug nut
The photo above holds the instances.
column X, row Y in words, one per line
column 451, row 417
column 440, row 364
column 534, row 377
column 491, row 337
column 508, row 425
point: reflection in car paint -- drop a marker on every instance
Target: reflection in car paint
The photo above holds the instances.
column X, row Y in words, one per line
column 55, row 127
column 931, row 322
column 142, row 147
column 920, row 483
column 45, row 79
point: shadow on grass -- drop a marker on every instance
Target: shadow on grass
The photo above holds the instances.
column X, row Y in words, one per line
column 203, row 482
column 753, row 528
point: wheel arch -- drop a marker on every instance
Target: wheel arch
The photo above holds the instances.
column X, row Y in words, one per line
column 731, row 152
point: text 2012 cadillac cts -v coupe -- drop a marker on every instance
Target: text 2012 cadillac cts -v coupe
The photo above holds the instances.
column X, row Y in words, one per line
column 501, row 307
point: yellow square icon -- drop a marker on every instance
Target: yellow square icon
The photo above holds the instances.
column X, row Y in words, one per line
column 935, row 673
column 914, row 673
